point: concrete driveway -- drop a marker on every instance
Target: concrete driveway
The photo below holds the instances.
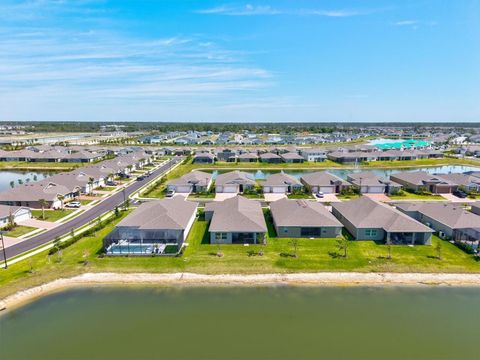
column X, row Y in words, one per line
column 328, row 198
column 38, row 224
column 456, row 199
column 269, row 197
column 378, row 197
column 224, row 196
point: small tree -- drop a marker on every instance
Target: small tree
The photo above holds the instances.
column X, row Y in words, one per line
column 12, row 184
column 219, row 251
column 43, row 203
column 438, row 250
column 90, row 184
column 295, row 245
column 342, row 246
column 85, row 256
column 117, row 212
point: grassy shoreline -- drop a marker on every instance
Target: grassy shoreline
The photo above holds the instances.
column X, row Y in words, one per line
column 314, row 256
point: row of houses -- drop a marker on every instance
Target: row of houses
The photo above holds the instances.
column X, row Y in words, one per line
column 58, row 154
column 343, row 155
column 58, row 189
column 239, row 220
column 367, row 182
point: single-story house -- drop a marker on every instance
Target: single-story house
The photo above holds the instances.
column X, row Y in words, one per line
column 325, row 182
column 465, row 182
column 367, row 219
column 281, row 183
column 369, row 183
column 302, row 218
column 344, row 157
column 235, row 220
column 203, row 158
column 166, row 221
column 292, row 157
column 450, row 220
column 423, row 181
column 247, row 157
column 226, row 154
column 193, row 182
column 14, row 213
column 270, row 158
column 234, row 182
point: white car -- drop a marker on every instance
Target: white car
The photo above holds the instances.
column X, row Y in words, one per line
column 73, row 204
column 319, row 195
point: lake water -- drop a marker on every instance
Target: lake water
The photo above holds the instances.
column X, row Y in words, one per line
column 6, row 176
column 246, row 323
column 446, row 169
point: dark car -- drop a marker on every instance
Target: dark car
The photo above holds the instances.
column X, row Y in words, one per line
column 460, row 194
column 140, row 178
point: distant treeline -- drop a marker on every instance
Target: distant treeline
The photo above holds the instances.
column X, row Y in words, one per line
column 46, row 126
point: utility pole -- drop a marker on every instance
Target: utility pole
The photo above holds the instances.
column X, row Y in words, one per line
column 3, row 247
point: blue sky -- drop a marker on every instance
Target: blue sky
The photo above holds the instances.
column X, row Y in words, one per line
column 182, row 60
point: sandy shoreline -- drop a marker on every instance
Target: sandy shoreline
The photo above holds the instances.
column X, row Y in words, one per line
column 190, row 279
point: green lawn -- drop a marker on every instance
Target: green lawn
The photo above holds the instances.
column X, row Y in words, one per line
column 86, row 202
column 106, row 188
column 51, row 215
column 300, row 196
column 313, row 255
column 406, row 195
column 19, row 230
column 23, row 165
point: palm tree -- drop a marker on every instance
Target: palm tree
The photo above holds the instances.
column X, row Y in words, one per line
column 12, row 184
column 90, row 184
column 43, row 203
column 61, row 198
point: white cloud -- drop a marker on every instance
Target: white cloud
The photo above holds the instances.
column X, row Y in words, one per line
column 252, row 10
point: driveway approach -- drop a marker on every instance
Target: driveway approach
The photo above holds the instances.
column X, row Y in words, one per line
column 106, row 205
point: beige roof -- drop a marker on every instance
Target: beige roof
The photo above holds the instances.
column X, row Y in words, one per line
column 194, row 177
column 166, row 214
column 302, row 213
column 235, row 177
column 450, row 214
column 292, row 156
column 367, row 213
column 281, row 179
column 421, row 178
column 322, row 178
column 236, row 214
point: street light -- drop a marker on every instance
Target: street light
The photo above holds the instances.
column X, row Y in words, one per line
column 3, row 247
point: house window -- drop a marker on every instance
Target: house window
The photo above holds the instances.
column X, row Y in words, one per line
column 220, row 236
column 371, row 232
column 310, row 231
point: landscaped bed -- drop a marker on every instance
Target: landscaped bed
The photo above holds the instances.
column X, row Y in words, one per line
column 19, row 230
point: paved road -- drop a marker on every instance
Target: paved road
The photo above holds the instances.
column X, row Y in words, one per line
column 108, row 204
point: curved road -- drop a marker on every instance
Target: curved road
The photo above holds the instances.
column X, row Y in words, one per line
column 106, row 205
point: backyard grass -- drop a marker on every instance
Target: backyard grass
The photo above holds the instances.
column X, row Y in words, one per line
column 19, row 230
column 313, row 255
column 23, row 165
column 51, row 215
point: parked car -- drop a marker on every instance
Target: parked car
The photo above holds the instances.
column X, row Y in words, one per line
column 460, row 194
column 140, row 178
column 73, row 204
column 170, row 193
column 319, row 195
column 111, row 183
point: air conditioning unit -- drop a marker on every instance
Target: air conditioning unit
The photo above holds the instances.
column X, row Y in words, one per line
column 441, row 235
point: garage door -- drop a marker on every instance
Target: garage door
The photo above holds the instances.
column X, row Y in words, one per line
column 230, row 188
column 278, row 189
column 326, row 189
column 376, row 190
column 22, row 216
column 183, row 189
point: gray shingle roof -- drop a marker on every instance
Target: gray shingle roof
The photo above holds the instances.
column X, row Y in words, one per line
column 302, row 213
column 174, row 213
column 236, row 214
column 322, row 178
column 196, row 177
column 367, row 213
column 450, row 214
column 281, row 179
column 235, row 177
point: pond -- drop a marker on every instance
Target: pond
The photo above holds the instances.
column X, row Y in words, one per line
column 246, row 323
column 7, row 176
column 343, row 173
